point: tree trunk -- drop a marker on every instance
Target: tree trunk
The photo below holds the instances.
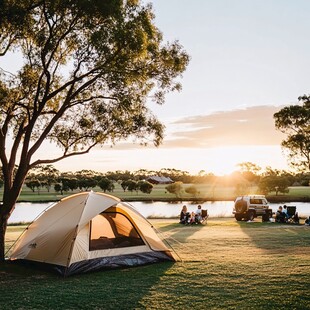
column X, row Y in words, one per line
column 3, row 225
column 6, row 208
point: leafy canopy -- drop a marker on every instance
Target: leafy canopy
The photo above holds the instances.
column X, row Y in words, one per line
column 294, row 121
column 89, row 69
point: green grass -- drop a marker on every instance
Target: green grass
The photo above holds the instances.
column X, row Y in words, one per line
column 207, row 192
column 225, row 265
column 158, row 192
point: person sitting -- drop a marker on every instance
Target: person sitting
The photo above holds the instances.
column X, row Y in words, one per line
column 198, row 214
column 280, row 216
column 184, row 215
column 285, row 211
column 192, row 219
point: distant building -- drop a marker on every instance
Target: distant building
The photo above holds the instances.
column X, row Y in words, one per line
column 159, row 180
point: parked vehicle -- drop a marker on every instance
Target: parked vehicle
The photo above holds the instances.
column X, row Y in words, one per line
column 251, row 206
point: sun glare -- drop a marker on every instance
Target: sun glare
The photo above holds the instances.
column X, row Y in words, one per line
column 220, row 161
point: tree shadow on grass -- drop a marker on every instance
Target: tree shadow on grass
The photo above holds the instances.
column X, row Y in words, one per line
column 181, row 238
column 276, row 237
column 29, row 288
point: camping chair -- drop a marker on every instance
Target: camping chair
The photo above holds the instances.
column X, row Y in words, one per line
column 204, row 215
column 292, row 215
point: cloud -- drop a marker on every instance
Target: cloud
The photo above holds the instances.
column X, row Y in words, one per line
column 250, row 126
column 246, row 127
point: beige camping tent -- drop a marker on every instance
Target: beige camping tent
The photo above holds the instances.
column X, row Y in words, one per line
column 90, row 231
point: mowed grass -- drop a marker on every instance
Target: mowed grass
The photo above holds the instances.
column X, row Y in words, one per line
column 159, row 192
column 225, row 265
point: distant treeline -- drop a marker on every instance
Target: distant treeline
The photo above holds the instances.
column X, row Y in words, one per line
column 249, row 175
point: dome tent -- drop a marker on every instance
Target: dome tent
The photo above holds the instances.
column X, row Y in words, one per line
column 90, row 231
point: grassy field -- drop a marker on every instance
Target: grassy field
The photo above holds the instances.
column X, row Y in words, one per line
column 225, row 265
column 206, row 192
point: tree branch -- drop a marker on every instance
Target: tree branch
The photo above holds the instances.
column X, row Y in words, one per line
column 51, row 161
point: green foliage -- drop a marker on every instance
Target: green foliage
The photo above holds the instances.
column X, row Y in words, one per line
column 119, row 58
column 145, row 187
column 86, row 183
column 106, row 185
column 58, row 187
column 132, row 186
column 119, row 175
column 273, row 183
column 46, row 174
column 33, row 184
column 294, row 121
column 192, row 190
column 175, row 188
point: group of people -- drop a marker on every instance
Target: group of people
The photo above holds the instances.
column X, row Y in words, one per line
column 190, row 218
column 282, row 215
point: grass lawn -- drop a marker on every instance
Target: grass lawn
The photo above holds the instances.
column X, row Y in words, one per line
column 206, row 192
column 158, row 192
column 225, row 265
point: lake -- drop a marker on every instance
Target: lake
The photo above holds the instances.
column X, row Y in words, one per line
column 27, row 212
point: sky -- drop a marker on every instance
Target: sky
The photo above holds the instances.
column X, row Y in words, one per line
column 249, row 58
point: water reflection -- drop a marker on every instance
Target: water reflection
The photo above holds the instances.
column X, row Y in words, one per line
column 27, row 212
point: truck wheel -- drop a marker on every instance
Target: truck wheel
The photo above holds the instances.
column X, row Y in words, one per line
column 238, row 217
column 250, row 216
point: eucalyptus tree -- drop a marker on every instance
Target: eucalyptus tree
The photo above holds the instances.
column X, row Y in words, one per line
column 106, row 185
column 89, row 68
column 145, row 187
column 175, row 188
column 46, row 174
column 294, row 121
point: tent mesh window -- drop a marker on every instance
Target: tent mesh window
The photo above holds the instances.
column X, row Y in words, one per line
column 110, row 230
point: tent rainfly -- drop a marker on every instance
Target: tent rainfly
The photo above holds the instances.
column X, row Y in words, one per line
column 90, row 231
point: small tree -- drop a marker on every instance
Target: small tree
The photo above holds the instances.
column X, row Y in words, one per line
column 106, row 185
column 132, row 185
column 47, row 175
column 86, row 183
column 124, row 185
column 63, row 185
column 192, row 190
column 175, row 188
column 33, row 184
column 145, row 187
column 71, row 183
column 58, row 188
column 274, row 183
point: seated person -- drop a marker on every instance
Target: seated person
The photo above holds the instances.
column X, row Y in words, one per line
column 192, row 218
column 285, row 211
column 198, row 214
column 184, row 215
column 280, row 216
